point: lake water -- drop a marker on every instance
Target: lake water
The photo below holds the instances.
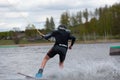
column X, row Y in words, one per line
column 83, row 62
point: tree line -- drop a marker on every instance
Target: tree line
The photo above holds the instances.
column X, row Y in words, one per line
column 101, row 23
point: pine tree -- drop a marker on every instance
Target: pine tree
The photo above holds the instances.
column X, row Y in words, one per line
column 52, row 24
column 47, row 24
column 65, row 19
column 85, row 15
column 79, row 17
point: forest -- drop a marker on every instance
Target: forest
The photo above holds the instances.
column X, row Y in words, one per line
column 102, row 23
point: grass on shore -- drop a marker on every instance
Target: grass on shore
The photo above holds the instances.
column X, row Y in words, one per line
column 11, row 42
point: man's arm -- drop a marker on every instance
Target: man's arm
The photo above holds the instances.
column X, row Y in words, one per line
column 47, row 36
column 72, row 38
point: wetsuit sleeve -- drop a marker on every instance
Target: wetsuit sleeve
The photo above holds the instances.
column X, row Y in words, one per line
column 73, row 40
column 47, row 36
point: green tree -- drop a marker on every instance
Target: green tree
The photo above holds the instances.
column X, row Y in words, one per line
column 16, row 35
column 73, row 20
column 65, row 19
column 30, row 31
column 47, row 24
column 52, row 24
column 116, row 19
column 79, row 17
column 85, row 15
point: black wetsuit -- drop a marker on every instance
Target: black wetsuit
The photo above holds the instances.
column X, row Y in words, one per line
column 61, row 43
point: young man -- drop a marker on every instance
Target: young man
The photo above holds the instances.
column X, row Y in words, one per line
column 62, row 36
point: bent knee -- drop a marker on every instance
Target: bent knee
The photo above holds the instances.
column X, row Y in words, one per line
column 47, row 57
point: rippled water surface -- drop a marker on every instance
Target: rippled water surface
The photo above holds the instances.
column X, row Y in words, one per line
column 83, row 62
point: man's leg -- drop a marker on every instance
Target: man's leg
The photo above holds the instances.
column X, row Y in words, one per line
column 46, row 58
column 39, row 74
column 61, row 62
column 61, row 65
column 62, row 56
column 49, row 55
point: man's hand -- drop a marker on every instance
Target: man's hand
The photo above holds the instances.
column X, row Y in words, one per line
column 70, row 47
column 43, row 36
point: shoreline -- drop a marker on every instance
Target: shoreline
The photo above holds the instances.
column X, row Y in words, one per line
column 52, row 43
column 99, row 41
column 23, row 45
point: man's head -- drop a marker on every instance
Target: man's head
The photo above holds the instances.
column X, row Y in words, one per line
column 62, row 27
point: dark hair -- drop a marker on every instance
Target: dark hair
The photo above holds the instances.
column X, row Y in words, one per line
column 63, row 27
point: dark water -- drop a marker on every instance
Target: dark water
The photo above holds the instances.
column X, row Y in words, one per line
column 83, row 62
